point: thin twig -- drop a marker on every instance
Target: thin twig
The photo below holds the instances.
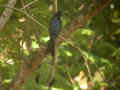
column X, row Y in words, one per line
column 87, row 66
column 31, row 17
column 53, row 69
column 69, row 76
column 27, row 5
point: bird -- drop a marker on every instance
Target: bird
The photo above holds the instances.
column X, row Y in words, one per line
column 54, row 30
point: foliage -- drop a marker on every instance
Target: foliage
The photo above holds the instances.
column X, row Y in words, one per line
column 98, row 40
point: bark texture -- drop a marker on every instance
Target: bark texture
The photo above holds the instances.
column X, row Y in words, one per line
column 6, row 14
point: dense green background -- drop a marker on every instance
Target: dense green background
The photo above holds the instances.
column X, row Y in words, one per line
column 102, row 55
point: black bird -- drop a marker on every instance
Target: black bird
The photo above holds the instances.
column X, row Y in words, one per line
column 54, row 30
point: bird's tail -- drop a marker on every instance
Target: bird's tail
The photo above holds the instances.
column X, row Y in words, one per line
column 51, row 46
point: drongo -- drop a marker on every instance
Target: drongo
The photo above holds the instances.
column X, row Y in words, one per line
column 54, row 30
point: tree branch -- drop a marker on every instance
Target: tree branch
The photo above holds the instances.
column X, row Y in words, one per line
column 6, row 14
column 31, row 65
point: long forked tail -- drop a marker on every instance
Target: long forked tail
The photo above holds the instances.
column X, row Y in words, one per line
column 51, row 46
